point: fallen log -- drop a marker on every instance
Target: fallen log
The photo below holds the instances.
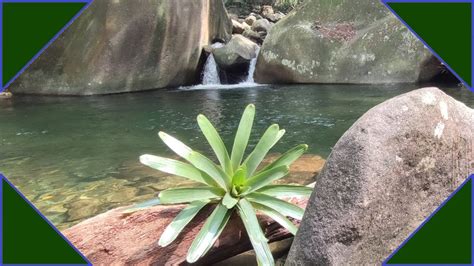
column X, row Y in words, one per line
column 118, row 238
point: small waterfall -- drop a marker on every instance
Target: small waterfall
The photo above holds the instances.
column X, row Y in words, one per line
column 210, row 75
column 252, row 65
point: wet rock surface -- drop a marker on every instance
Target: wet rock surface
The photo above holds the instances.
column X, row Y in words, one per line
column 385, row 175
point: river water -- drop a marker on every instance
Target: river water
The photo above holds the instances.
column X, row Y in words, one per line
column 75, row 157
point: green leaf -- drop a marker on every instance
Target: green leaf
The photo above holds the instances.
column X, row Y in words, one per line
column 175, row 145
column 204, row 164
column 242, row 136
column 182, row 195
column 175, row 167
column 281, row 206
column 261, row 149
column 143, row 205
column 265, row 178
column 240, row 176
column 288, row 157
column 229, row 201
column 286, row 191
column 198, row 160
column 255, row 233
column 216, row 143
column 180, row 221
column 279, row 136
column 209, row 233
column 277, row 217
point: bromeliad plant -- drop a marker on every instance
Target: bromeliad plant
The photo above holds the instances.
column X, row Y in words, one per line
column 232, row 186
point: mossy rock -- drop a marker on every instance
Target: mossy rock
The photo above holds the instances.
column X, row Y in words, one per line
column 342, row 42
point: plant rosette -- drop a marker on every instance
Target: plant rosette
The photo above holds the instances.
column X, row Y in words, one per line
column 233, row 185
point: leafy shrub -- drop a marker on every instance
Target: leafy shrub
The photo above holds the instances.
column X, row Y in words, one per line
column 232, row 186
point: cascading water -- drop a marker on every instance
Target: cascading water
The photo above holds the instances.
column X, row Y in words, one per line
column 252, row 65
column 210, row 75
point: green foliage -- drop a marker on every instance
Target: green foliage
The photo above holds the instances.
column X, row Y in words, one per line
column 232, row 185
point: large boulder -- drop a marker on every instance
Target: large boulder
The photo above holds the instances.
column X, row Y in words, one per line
column 235, row 56
column 346, row 41
column 385, row 175
column 121, row 46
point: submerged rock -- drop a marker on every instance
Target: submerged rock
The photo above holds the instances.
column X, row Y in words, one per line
column 82, row 208
column 385, row 175
column 120, row 46
column 303, row 171
column 343, row 41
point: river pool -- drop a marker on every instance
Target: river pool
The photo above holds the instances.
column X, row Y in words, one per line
column 75, row 157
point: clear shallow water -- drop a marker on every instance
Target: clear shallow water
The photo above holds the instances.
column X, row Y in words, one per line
column 77, row 157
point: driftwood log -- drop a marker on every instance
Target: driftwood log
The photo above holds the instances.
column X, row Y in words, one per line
column 117, row 238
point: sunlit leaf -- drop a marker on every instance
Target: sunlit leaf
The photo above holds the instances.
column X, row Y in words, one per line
column 175, row 167
column 229, row 201
column 216, row 143
column 198, row 160
column 265, row 178
column 183, row 195
column 277, row 217
column 209, row 233
column 279, row 136
column 286, row 191
column 175, row 145
column 242, row 136
column 288, row 157
column 180, row 221
column 261, row 149
column 281, row 206
column 204, row 164
column 256, row 236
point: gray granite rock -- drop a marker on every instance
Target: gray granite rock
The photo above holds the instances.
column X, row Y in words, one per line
column 346, row 41
column 385, row 175
column 121, row 46
column 235, row 54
